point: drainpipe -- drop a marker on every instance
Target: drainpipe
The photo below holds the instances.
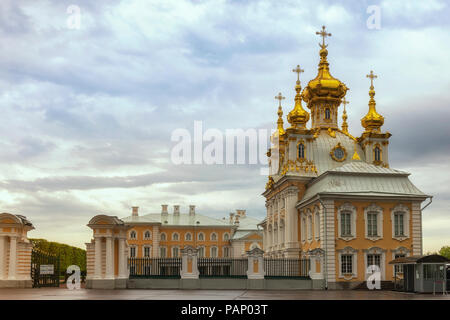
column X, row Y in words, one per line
column 325, row 232
column 421, row 238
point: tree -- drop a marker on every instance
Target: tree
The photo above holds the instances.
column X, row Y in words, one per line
column 68, row 255
column 445, row 251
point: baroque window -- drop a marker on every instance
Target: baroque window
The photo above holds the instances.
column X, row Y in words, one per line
column 301, row 151
column 201, row 236
column 188, row 236
column 327, row 114
column 133, row 235
column 147, row 235
column 346, row 223
column 163, row 237
column 147, row 251
column 347, row 264
column 377, row 154
column 372, row 224
column 399, row 224
column 213, row 236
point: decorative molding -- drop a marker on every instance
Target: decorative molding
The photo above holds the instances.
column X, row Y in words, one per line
column 347, row 207
column 401, row 208
column 373, row 208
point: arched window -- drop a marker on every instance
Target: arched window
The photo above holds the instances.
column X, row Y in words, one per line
column 226, row 236
column 301, row 151
column 310, row 227
column 175, row 236
column 133, row 235
column 163, row 236
column 327, row 114
column 188, row 236
column 175, row 252
column 213, row 236
column 201, row 252
column 147, row 235
column 201, row 236
column 213, row 252
column 377, row 154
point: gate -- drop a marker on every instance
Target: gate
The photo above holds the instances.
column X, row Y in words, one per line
column 44, row 269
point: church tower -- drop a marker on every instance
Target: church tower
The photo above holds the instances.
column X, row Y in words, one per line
column 331, row 197
column 374, row 142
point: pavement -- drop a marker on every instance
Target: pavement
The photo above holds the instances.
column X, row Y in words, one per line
column 145, row 294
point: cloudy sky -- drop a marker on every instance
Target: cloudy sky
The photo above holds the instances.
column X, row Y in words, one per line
column 88, row 112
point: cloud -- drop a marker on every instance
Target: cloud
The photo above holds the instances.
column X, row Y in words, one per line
column 87, row 114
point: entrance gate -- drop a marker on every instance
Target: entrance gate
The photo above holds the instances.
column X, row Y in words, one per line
column 44, row 269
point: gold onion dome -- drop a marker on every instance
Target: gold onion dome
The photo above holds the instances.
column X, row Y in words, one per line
column 298, row 117
column 324, row 85
column 373, row 121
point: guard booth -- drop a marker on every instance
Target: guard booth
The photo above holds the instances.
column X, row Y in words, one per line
column 424, row 274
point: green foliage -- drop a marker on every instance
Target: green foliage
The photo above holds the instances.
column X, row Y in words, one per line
column 68, row 255
column 445, row 251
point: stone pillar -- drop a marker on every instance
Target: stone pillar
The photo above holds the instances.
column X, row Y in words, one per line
column 98, row 258
column 122, row 259
column 2, row 258
column 109, row 258
column 292, row 248
column 156, row 237
column 189, row 263
column 12, row 258
column 255, row 264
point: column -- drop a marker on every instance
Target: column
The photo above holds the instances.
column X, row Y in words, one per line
column 255, row 264
column 109, row 258
column 2, row 257
column 189, row 263
column 98, row 258
column 122, row 259
column 155, row 241
column 12, row 258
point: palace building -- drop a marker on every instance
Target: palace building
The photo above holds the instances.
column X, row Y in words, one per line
column 332, row 197
column 164, row 235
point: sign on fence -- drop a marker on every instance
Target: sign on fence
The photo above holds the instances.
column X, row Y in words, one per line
column 47, row 269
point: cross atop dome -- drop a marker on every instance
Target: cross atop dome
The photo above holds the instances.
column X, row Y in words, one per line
column 323, row 33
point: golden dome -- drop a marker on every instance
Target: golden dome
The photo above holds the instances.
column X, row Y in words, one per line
column 373, row 121
column 324, row 85
column 298, row 117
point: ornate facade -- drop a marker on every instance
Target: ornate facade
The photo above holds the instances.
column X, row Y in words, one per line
column 331, row 196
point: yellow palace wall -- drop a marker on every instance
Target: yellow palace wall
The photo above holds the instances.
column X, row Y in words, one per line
column 360, row 243
column 387, row 242
column 207, row 243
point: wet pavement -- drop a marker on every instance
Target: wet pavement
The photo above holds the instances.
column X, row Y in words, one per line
column 143, row 294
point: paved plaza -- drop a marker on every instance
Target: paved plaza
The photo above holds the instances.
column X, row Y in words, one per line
column 140, row 294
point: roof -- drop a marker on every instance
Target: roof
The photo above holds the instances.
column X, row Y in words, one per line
column 180, row 220
column 359, row 178
column 324, row 143
column 434, row 258
column 242, row 234
column 248, row 223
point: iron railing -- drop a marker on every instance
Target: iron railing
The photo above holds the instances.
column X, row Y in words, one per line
column 154, row 267
column 286, row 268
column 222, row 267
column 38, row 276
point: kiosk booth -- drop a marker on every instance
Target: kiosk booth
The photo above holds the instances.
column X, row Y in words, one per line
column 424, row 274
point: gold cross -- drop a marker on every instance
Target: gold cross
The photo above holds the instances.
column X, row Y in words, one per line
column 371, row 76
column 345, row 102
column 279, row 97
column 298, row 70
column 323, row 34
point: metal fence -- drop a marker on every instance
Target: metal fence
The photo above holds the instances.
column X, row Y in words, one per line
column 154, row 267
column 286, row 268
column 222, row 267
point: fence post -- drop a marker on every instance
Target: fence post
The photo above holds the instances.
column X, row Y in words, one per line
column 255, row 264
column 189, row 263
